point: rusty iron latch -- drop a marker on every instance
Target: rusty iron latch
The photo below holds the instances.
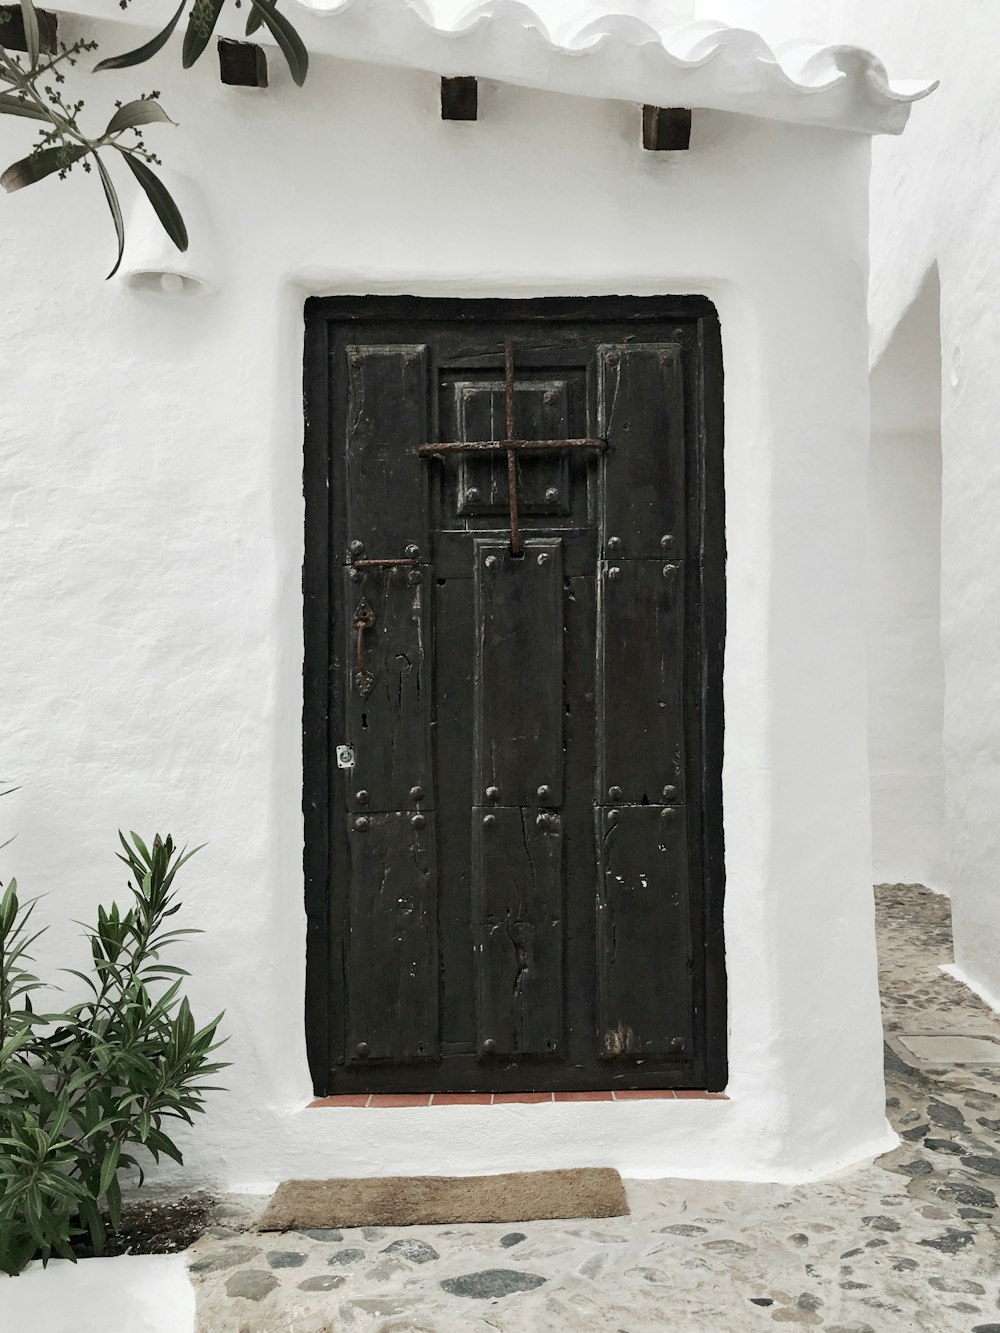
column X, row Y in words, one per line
column 356, row 555
column 364, row 619
column 511, row 446
column 382, row 564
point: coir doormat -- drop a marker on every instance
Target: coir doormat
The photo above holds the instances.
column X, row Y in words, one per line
column 398, row 1201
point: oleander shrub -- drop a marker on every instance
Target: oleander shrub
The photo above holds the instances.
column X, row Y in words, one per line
column 90, row 1091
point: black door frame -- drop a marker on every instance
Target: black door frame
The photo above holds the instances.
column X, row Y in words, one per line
column 320, row 862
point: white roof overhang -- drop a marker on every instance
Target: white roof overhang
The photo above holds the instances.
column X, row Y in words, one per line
column 624, row 58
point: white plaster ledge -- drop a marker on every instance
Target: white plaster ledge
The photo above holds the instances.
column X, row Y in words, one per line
column 140, row 1293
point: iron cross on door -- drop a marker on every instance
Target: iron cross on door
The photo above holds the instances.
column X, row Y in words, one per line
column 517, row 886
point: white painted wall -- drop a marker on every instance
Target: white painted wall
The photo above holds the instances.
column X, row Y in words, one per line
column 936, row 199
column 905, row 668
column 151, row 658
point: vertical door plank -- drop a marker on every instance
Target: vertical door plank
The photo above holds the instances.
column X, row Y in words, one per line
column 387, row 421
column 641, row 415
column 452, row 737
column 518, row 673
column 389, row 698
column 644, row 935
column 391, row 948
column 519, row 911
column 641, row 730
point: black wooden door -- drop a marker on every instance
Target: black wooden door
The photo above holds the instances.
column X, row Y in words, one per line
column 512, row 726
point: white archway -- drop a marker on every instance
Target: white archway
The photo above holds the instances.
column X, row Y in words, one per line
column 905, row 668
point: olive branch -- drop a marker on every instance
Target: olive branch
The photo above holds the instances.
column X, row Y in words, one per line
column 31, row 87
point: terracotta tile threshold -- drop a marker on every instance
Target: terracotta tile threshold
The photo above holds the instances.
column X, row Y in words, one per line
column 399, row 1099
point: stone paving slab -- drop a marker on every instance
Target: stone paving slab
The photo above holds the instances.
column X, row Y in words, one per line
column 945, row 1048
column 907, row 1245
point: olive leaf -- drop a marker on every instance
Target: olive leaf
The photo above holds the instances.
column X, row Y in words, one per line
column 13, row 106
column 201, row 24
column 36, row 166
column 291, row 44
column 30, row 19
column 116, row 212
column 144, row 52
column 145, row 111
column 159, row 196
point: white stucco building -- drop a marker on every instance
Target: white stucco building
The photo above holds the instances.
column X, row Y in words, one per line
column 933, row 495
column 155, row 532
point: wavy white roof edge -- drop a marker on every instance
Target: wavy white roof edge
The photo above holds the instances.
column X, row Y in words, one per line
column 621, row 57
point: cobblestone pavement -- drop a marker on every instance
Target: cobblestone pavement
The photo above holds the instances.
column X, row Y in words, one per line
column 910, row 1243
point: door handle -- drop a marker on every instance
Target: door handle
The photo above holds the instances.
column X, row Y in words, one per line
column 364, row 619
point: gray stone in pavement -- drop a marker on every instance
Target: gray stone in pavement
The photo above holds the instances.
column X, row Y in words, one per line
column 490, row 1283
column 285, row 1259
column 346, row 1256
column 223, row 1259
column 950, row 1243
column 976, row 1196
column 417, row 1251
column 944, row 1115
column 963, row 1285
column 253, row 1284
column 917, row 1132
column 512, row 1238
column 324, row 1234
column 986, row 1166
column 325, row 1282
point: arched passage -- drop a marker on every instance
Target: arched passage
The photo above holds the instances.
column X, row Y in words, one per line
column 905, row 669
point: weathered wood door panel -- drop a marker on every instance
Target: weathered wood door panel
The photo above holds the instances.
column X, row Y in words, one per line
column 390, row 974
column 514, row 591
column 518, row 673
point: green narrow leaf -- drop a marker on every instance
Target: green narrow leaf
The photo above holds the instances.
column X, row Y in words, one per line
column 30, row 30
column 8, row 906
column 201, row 24
column 142, row 847
column 15, row 1044
column 63, row 1248
column 116, row 211
column 145, row 52
column 165, row 208
column 158, row 1140
column 13, row 106
column 91, row 1218
column 254, row 20
column 292, row 46
column 114, row 1198
column 37, row 166
column 108, row 1168
column 142, row 112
